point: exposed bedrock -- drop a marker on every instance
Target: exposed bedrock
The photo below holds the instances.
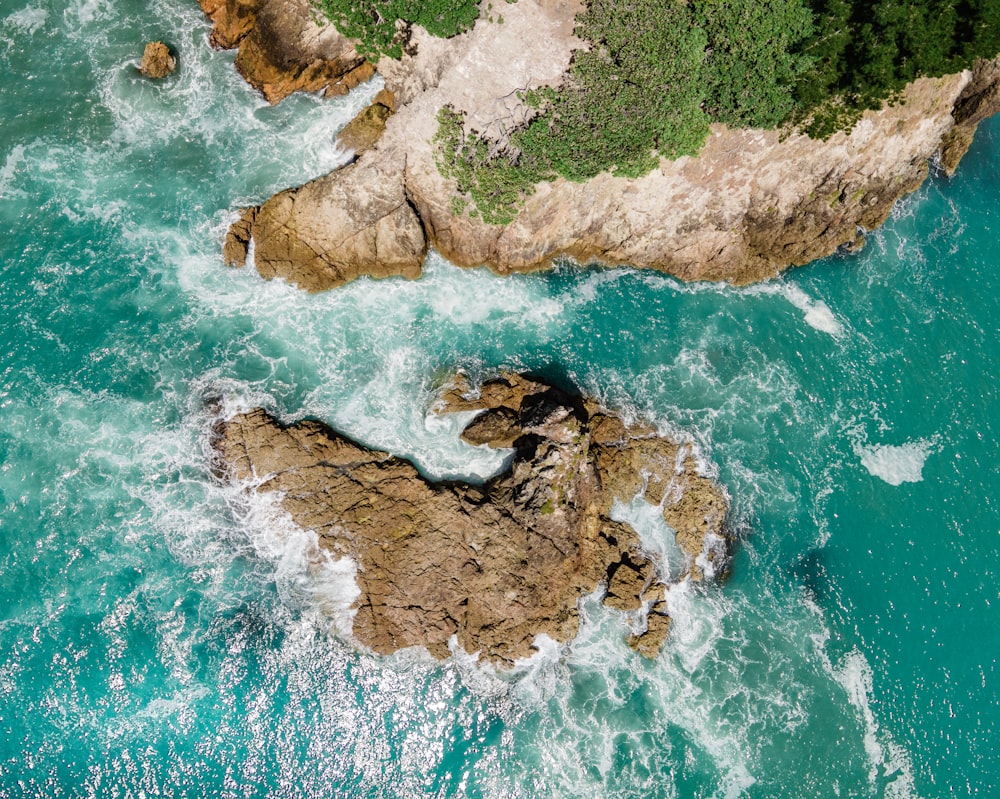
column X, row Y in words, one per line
column 282, row 49
column 157, row 61
column 356, row 221
column 493, row 565
column 751, row 204
column 980, row 99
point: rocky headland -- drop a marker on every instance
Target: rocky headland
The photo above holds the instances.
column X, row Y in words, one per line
column 493, row 565
column 751, row 204
column 488, row 568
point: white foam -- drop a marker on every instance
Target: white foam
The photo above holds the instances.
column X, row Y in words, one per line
column 306, row 574
column 888, row 762
column 83, row 12
column 656, row 536
column 29, row 19
column 817, row 313
column 14, row 159
column 895, row 464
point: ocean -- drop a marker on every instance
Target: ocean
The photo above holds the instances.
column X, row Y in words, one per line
column 162, row 635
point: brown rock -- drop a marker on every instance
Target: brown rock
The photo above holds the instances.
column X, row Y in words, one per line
column 627, row 580
column 979, row 99
column 237, row 243
column 649, row 642
column 282, row 49
column 232, row 20
column 387, row 98
column 361, row 133
column 157, row 61
column 350, row 80
column 356, row 221
column 493, row 565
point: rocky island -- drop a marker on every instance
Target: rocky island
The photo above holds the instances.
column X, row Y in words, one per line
column 753, row 181
column 497, row 564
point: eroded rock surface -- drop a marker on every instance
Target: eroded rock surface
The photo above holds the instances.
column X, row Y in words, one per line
column 751, row 204
column 498, row 564
column 157, row 61
column 282, row 49
column 355, row 221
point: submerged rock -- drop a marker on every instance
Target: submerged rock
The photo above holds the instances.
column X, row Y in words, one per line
column 157, row 61
column 492, row 566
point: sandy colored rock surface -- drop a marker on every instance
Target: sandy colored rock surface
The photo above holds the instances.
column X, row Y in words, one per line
column 282, row 49
column 750, row 205
column 355, row 221
column 492, row 565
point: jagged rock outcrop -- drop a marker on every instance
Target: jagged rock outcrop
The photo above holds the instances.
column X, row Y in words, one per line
column 498, row 564
column 236, row 247
column 751, row 204
column 355, row 221
column 282, row 49
column 980, row 99
column 157, row 61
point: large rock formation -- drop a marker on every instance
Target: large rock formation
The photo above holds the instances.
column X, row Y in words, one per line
column 283, row 50
column 498, row 564
column 752, row 203
column 356, row 221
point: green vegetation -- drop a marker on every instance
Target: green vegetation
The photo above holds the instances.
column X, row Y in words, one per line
column 864, row 53
column 374, row 22
column 659, row 72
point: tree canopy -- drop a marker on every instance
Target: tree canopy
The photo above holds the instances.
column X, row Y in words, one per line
column 659, row 72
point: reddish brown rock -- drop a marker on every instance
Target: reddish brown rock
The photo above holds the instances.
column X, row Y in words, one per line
column 282, row 49
column 492, row 565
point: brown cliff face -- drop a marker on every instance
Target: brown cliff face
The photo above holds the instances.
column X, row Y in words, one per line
column 498, row 564
column 282, row 50
column 751, row 204
column 979, row 100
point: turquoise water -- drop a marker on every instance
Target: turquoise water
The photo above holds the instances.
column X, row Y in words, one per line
column 160, row 635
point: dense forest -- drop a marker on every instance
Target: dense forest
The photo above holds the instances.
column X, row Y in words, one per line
column 660, row 71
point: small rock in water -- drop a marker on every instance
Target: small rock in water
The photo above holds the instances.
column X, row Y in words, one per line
column 157, row 61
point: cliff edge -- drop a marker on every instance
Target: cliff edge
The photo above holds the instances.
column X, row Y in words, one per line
column 752, row 203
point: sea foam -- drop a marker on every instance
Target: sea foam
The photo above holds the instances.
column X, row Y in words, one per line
column 895, row 464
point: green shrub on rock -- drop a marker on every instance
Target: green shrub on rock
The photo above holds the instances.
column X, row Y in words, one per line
column 374, row 22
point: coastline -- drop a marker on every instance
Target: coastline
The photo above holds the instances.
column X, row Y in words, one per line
column 751, row 204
